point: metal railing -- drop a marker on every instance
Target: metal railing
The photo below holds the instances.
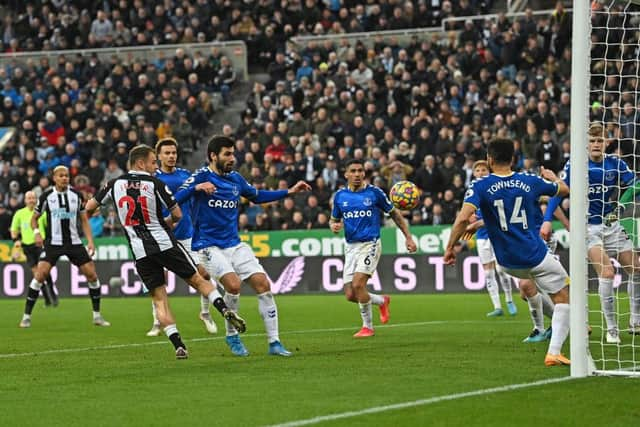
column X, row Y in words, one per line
column 403, row 36
column 235, row 50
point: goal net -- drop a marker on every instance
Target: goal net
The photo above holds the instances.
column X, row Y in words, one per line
column 613, row 289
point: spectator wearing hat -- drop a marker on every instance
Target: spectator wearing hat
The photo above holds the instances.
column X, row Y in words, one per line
column 52, row 129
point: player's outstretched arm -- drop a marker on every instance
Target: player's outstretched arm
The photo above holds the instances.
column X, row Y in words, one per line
column 397, row 217
column 459, row 228
column 299, row 187
column 266, row 196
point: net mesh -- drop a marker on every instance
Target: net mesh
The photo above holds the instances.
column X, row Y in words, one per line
column 614, row 102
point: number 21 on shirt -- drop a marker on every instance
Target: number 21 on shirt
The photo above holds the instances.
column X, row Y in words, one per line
column 131, row 209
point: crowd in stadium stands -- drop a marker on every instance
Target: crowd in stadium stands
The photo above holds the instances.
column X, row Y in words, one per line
column 264, row 24
column 422, row 111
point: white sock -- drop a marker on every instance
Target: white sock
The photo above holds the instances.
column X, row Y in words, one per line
column 213, row 295
column 365, row 313
column 535, row 309
column 94, row 285
column 505, row 282
column 547, row 304
column 634, row 298
column 269, row 312
column 376, row 299
column 560, row 326
column 233, row 302
column 204, row 304
column 96, row 314
column 26, row 316
column 35, row 285
column 156, row 322
column 605, row 289
column 170, row 330
column 492, row 288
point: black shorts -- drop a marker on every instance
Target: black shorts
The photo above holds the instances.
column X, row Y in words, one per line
column 32, row 252
column 77, row 254
column 151, row 268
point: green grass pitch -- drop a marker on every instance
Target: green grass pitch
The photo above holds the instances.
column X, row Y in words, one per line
column 66, row 372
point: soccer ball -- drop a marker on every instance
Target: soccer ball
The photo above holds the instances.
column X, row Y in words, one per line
column 404, row 195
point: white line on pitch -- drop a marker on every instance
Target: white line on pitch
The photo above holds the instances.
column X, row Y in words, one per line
column 421, row 402
column 299, row 332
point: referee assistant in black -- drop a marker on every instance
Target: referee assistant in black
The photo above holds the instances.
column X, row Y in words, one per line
column 65, row 212
column 139, row 198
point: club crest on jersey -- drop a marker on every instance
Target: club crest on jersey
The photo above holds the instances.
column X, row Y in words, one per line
column 367, row 201
column 345, row 204
column 610, row 175
column 235, row 191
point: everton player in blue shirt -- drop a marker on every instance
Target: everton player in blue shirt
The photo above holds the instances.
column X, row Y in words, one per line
column 605, row 236
column 488, row 258
column 357, row 208
column 216, row 191
column 174, row 177
column 509, row 205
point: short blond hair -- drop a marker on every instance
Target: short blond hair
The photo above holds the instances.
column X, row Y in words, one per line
column 596, row 129
column 59, row 168
column 479, row 163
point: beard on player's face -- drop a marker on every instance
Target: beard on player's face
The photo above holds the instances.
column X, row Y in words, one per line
column 225, row 166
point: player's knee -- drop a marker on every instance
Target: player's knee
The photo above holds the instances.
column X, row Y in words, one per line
column 561, row 297
column 261, row 286
column 350, row 295
column 607, row 272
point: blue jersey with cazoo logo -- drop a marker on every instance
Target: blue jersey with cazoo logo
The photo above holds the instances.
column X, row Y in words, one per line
column 511, row 214
column 604, row 177
column 360, row 212
column 215, row 216
column 184, row 228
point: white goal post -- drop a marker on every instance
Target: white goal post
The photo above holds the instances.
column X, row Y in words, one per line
column 611, row 63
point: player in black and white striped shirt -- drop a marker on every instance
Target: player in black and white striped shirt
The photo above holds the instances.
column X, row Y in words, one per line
column 65, row 213
column 139, row 198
